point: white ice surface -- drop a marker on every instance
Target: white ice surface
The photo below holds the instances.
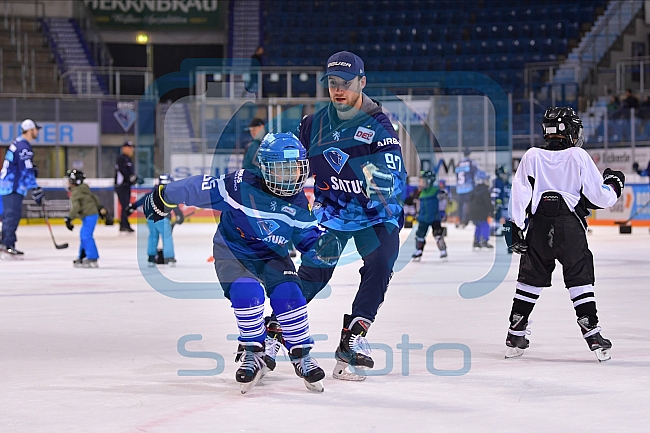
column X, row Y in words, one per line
column 95, row 350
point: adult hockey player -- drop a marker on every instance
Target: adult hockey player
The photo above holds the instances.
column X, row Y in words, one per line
column 356, row 158
column 17, row 177
column 259, row 216
column 429, row 197
column 552, row 191
column 465, row 174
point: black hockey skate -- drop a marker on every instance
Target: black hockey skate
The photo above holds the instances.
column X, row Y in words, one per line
column 171, row 262
column 484, row 244
column 353, row 349
column 597, row 344
column 516, row 339
column 251, row 355
column 273, row 341
column 10, row 252
column 476, row 244
column 417, row 255
column 307, row 368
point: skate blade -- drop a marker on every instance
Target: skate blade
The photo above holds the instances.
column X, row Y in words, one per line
column 7, row 256
column 416, row 259
column 341, row 372
column 245, row 387
column 602, row 355
column 514, row 352
column 314, row 387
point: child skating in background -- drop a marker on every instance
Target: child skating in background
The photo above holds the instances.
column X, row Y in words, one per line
column 84, row 205
column 430, row 196
column 158, row 229
column 480, row 208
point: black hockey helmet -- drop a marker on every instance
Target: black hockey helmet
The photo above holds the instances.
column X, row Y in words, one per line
column 75, row 176
column 565, row 122
column 429, row 177
column 501, row 169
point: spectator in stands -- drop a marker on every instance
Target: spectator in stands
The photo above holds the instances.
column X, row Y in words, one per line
column 630, row 100
column 613, row 104
column 256, row 62
column 257, row 130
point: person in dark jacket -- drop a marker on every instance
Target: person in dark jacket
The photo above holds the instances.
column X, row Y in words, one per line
column 124, row 178
column 480, row 208
column 85, row 206
column 257, row 130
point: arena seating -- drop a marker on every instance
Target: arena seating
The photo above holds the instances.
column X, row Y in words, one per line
column 427, row 35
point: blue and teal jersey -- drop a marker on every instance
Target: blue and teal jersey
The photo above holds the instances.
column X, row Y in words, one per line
column 337, row 152
column 465, row 172
column 17, row 175
column 255, row 224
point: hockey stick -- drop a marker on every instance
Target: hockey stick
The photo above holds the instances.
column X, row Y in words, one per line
column 635, row 214
column 47, row 221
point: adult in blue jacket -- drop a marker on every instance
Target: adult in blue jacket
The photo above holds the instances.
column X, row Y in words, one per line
column 356, row 158
column 16, row 179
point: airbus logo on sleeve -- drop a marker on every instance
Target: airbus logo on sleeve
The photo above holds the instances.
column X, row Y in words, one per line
column 336, row 158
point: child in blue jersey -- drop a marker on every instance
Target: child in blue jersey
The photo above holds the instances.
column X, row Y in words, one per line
column 160, row 229
column 430, row 197
column 480, row 208
column 259, row 216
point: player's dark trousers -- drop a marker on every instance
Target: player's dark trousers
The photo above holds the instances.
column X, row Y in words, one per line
column 463, row 207
column 563, row 238
column 378, row 246
column 124, row 197
column 13, row 210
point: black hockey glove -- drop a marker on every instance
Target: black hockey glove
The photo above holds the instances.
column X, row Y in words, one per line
column 130, row 208
column 327, row 249
column 68, row 223
column 37, row 195
column 615, row 179
column 180, row 218
column 515, row 239
column 635, row 168
column 103, row 212
column 378, row 185
column 154, row 207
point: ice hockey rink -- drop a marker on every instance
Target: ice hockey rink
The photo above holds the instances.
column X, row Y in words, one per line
column 101, row 350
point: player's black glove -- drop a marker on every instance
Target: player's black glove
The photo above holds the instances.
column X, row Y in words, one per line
column 68, row 223
column 37, row 195
column 515, row 239
column 103, row 212
column 378, row 185
column 615, row 179
column 327, row 249
column 180, row 218
column 154, row 207
column 635, row 167
column 130, row 209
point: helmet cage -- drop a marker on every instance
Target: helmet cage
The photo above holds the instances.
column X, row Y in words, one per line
column 564, row 122
column 283, row 163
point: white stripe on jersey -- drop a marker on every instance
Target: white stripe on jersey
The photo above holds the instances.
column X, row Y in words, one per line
column 258, row 214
